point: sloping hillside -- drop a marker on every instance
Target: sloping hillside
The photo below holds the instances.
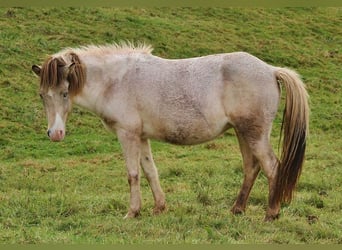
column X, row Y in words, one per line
column 76, row 191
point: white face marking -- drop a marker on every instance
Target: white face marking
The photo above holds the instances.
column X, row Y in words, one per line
column 58, row 124
column 50, row 93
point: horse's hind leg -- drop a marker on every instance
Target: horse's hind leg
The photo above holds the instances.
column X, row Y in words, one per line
column 256, row 135
column 269, row 163
column 151, row 174
column 251, row 169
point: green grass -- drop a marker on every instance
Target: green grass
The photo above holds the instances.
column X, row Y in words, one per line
column 76, row 191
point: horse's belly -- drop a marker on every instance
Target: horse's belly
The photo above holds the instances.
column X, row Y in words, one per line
column 195, row 132
column 186, row 137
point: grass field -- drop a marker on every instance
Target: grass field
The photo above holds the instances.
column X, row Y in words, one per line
column 76, row 191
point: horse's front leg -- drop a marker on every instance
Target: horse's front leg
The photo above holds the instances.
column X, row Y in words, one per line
column 131, row 144
column 151, row 174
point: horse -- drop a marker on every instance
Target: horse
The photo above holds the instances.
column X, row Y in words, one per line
column 143, row 97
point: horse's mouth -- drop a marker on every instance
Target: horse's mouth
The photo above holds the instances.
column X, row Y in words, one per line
column 57, row 135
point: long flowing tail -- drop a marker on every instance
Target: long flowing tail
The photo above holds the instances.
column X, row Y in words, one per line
column 294, row 129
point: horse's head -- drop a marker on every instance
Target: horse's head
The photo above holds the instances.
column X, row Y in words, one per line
column 59, row 82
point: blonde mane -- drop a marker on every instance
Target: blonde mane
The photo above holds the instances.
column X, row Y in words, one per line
column 53, row 69
column 123, row 47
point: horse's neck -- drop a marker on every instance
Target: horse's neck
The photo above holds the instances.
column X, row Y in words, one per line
column 103, row 73
column 87, row 98
column 99, row 74
column 90, row 92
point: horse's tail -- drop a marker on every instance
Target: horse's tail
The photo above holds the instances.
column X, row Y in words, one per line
column 294, row 130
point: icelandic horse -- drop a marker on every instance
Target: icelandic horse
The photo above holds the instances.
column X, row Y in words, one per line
column 140, row 96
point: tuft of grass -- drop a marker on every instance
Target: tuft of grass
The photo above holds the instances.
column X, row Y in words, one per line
column 76, row 191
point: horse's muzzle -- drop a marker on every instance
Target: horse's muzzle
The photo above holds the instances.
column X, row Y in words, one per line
column 56, row 135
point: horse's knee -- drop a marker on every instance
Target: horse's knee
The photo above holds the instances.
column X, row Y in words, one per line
column 133, row 178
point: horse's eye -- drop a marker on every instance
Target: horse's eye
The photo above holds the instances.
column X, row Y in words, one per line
column 41, row 96
column 65, row 95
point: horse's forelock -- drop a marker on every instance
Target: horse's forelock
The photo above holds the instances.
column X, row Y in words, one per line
column 54, row 73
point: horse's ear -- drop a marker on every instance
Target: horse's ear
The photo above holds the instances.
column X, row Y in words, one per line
column 69, row 68
column 36, row 69
column 72, row 67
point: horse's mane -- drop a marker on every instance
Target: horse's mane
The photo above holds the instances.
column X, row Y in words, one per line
column 55, row 69
column 122, row 47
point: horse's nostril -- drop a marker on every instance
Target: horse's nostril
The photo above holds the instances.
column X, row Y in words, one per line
column 49, row 132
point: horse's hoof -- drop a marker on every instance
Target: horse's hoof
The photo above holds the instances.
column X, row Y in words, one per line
column 131, row 214
column 271, row 217
column 237, row 210
column 160, row 209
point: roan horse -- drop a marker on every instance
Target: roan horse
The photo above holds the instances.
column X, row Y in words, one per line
column 182, row 101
